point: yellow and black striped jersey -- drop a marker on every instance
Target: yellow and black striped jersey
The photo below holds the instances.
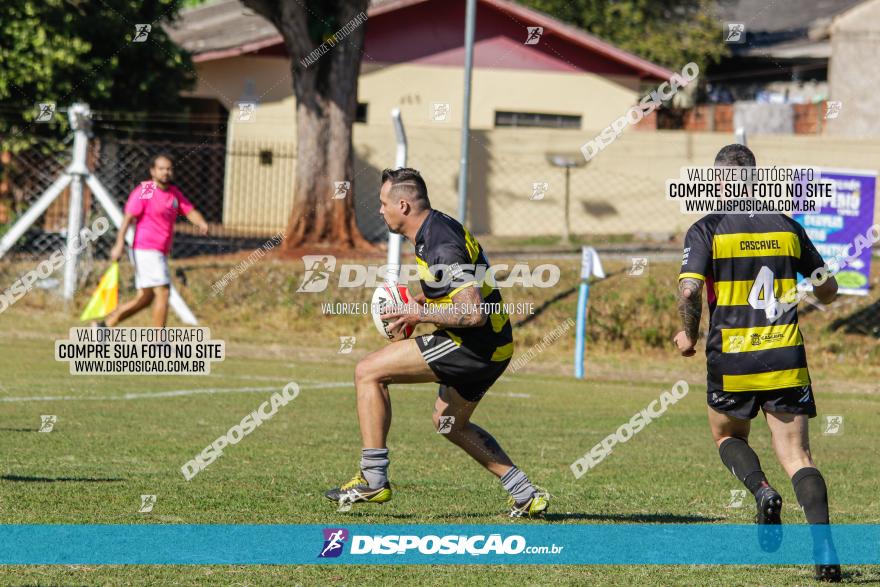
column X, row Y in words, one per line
column 749, row 263
column 450, row 259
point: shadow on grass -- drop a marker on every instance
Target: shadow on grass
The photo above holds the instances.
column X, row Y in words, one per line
column 860, row 578
column 408, row 516
column 625, row 518
column 18, row 430
column 634, row 518
column 27, row 479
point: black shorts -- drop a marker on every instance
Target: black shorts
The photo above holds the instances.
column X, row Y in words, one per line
column 459, row 367
column 745, row 405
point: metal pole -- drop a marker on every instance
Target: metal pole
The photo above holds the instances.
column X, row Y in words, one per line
column 567, row 234
column 581, row 328
column 399, row 161
column 79, row 121
column 74, row 226
column 470, row 25
column 33, row 213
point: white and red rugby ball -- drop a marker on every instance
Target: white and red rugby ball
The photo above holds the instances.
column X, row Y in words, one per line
column 385, row 296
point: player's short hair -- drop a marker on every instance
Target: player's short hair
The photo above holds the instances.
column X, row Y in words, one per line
column 158, row 156
column 406, row 181
column 735, row 155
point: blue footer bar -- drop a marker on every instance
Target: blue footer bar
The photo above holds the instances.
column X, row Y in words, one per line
column 675, row 544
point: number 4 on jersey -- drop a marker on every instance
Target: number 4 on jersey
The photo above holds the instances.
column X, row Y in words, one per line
column 762, row 295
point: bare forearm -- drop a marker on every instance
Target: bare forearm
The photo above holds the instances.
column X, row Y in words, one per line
column 196, row 217
column 690, row 306
column 127, row 222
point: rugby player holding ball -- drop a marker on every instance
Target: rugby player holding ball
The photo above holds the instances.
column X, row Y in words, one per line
column 466, row 354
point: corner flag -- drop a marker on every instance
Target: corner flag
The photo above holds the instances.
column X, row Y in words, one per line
column 106, row 296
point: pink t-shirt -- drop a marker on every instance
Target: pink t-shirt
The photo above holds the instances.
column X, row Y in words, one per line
column 156, row 210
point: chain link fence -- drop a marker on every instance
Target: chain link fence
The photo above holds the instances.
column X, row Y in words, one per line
column 120, row 164
column 520, row 199
column 527, row 190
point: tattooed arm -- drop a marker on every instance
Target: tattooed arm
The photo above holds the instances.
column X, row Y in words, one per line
column 690, row 308
column 466, row 310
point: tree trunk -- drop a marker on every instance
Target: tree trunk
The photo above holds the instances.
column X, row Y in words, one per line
column 326, row 104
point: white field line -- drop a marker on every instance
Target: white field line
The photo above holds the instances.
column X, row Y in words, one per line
column 508, row 394
column 259, row 377
column 520, row 379
column 284, row 378
column 206, row 391
column 504, row 379
column 493, row 393
column 159, row 394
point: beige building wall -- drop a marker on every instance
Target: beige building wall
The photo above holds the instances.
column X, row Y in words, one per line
column 257, row 194
column 416, row 88
column 238, row 79
column 854, row 69
column 621, row 190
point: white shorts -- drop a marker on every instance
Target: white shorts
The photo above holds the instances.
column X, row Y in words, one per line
column 150, row 268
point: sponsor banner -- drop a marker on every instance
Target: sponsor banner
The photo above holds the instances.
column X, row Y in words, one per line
column 839, row 221
column 618, row 544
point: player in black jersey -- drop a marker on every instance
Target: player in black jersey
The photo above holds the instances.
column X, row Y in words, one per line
column 756, row 360
column 466, row 354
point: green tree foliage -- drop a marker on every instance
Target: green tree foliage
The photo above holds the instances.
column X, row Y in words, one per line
column 668, row 32
column 67, row 51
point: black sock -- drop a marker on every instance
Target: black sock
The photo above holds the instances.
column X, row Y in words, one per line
column 738, row 456
column 812, row 494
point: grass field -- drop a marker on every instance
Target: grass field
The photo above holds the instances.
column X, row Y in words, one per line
column 108, row 447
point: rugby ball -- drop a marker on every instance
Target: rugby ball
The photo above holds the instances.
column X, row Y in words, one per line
column 387, row 296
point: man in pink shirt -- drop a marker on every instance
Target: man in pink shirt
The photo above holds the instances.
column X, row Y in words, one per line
column 152, row 207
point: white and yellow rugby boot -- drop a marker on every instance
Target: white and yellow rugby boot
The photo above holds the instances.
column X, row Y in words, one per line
column 358, row 490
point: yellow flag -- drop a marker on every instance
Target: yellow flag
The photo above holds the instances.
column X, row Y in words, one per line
column 106, row 297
